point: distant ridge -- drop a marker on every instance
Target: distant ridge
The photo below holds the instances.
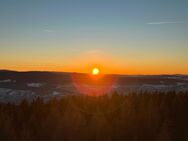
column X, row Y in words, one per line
column 120, row 75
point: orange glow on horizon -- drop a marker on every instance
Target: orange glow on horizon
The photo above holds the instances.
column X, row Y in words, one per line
column 104, row 68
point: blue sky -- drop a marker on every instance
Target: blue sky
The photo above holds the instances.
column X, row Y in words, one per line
column 130, row 33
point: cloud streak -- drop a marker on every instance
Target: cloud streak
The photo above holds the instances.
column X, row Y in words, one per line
column 49, row 31
column 167, row 22
column 46, row 28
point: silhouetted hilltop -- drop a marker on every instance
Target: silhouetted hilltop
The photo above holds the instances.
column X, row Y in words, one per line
column 65, row 77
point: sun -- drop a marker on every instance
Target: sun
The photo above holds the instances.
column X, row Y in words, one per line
column 95, row 71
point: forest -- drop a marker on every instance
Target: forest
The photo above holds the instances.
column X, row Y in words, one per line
column 141, row 116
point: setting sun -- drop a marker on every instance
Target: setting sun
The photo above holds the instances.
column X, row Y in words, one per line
column 95, row 71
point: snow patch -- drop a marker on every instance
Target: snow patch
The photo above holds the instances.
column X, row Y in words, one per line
column 4, row 91
column 35, row 85
column 54, row 93
column 5, row 81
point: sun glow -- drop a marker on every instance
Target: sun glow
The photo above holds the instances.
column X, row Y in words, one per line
column 95, row 71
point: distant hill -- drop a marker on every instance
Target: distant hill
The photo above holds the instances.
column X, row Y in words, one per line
column 65, row 77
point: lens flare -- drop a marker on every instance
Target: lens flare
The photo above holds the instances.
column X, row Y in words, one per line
column 93, row 85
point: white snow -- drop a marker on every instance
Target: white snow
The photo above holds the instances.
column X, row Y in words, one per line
column 5, row 81
column 54, row 93
column 35, row 85
column 4, row 91
column 180, row 84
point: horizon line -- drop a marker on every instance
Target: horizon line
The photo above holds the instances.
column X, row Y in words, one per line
column 49, row 71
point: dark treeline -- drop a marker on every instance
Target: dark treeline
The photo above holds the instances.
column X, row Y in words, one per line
column 133, row 117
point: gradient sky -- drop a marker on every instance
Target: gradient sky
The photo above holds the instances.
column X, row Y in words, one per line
column 119, row 36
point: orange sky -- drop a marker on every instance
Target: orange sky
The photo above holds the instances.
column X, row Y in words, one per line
column 85, row 62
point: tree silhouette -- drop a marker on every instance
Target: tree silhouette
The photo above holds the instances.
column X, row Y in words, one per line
column 141, row 116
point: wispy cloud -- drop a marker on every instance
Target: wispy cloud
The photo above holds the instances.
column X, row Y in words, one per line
column 49, row 30
column 167, row 22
